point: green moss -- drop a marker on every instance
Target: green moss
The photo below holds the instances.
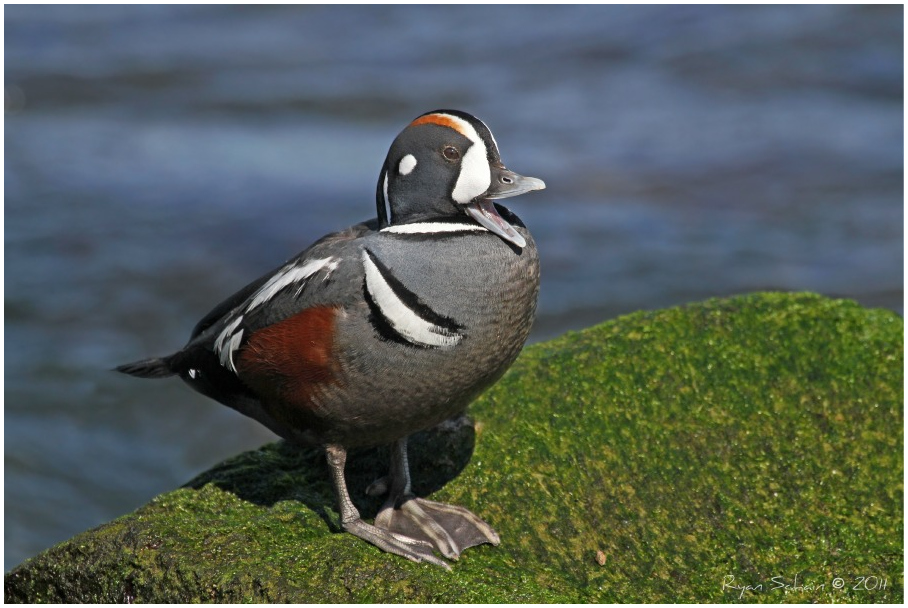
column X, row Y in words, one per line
column 674, row 456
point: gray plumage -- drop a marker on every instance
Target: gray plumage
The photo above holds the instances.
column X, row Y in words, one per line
column 386, row 328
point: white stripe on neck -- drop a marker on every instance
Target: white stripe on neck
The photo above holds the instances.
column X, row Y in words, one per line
column 433, row 228
column 387, row 200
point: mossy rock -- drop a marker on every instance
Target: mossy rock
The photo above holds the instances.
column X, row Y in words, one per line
column 745, row 449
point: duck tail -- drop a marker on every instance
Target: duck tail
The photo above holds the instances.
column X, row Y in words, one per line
column 156, row 367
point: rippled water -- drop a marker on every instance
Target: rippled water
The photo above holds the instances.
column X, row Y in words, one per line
column 158, row 158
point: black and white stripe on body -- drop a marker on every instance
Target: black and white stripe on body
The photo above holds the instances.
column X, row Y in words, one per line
column 294, row 276
column 401, row 313
column 401, row 310
column 439, row 273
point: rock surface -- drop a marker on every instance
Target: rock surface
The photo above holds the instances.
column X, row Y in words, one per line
column 748, row 448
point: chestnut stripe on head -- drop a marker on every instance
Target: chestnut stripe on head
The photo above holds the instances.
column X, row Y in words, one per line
column 444, row 120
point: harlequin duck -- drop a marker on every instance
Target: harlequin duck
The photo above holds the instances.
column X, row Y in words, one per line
column 386, row 328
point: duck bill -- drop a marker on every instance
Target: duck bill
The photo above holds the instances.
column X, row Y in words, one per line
column 505, row 184
column 483, row 211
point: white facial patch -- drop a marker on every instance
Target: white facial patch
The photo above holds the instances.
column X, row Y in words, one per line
column 407, row 164
column 475, row 175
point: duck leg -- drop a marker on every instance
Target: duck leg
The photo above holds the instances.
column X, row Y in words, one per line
column 400, row 544
column 448, row 528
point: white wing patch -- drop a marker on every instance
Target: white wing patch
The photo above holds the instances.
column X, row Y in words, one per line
column 229, row 340
column 402, row 318
column 227, row 343
column 289, row 275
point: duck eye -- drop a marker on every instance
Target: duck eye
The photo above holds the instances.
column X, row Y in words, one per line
column 450, row 153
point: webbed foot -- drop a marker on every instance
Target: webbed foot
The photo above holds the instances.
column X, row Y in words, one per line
column 406, row 525
column 448, row 528
column 391, row 542
column 413, row 549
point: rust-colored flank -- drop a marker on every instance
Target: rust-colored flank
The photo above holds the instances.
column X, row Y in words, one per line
column 291, row 360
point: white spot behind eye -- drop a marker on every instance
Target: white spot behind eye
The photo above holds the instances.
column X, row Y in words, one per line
column 407, row 163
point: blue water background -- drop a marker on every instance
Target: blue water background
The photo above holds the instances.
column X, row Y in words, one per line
column 158, row 158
